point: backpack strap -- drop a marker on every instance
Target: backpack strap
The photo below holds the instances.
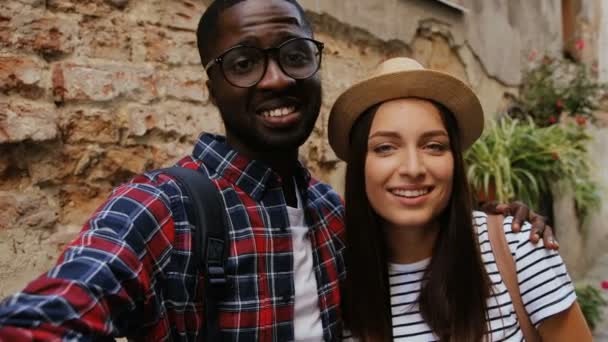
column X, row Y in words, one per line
column 209, row 243
column 508, row 272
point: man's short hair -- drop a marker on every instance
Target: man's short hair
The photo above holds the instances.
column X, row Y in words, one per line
column 207, row 25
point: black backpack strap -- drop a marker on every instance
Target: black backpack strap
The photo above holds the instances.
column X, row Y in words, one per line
column 209, row 244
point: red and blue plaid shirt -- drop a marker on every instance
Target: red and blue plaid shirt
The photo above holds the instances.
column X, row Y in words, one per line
column 131, row 272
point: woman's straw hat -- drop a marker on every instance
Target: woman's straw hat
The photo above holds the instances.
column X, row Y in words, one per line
column 398, row 78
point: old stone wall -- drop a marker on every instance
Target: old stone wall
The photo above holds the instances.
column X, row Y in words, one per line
column 94, row 92
column 603, row 43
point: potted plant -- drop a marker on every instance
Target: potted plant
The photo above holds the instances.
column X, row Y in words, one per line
column 516, row 159
column 553, row 88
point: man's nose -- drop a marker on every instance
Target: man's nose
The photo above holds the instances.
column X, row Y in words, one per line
column 274, row 77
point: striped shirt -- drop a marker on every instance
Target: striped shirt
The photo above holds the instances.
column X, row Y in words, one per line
column 544, row 283
column 130, row 272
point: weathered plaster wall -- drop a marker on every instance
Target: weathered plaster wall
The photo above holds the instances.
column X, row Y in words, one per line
column 93, row 92
column 500, row 32
column 583, row 244
column 603, row 42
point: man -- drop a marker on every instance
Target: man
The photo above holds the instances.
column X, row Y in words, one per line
column 131, row 273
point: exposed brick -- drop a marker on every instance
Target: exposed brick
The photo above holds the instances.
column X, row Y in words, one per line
column 87, row 160
column 49, row 42
column 89, row 126
column 33, row 3
column 172, row 118
column 59, row 90
column 164, row 46
column 114, row 165
column 49, row 163
column 182, row 14
column 50, row 36
column 92, row 8
column 5, row 31
column 133, row 160
column 148, row 12
column 185, row 84
column 29, row 209
column 5, row 161
column 22, row 75
column 108, row 39
column 105, row 82
column 25, row 121
column 139, row 119
column 13, row 21
column 79, row 200
column 118, row 3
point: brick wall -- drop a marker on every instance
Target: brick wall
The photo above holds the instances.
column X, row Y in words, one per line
column 93, row 92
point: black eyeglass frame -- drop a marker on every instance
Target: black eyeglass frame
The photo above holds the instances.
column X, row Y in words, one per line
column 267, row 52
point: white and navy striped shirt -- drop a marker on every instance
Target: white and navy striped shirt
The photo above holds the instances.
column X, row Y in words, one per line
column 544, row 284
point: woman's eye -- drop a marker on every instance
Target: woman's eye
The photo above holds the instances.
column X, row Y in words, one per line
column 380, row 149
column 436, row 147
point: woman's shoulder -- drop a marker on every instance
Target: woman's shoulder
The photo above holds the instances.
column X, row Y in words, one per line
column 544, row 282
column 514, row 239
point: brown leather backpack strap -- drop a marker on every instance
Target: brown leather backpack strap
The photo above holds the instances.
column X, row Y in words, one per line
column 508, row 272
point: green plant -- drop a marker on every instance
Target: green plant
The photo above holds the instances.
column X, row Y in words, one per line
column 553, row 87
column 522, row 161
column 591, row 302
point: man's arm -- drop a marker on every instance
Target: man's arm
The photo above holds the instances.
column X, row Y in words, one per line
column 521, row 213
column 102, row 282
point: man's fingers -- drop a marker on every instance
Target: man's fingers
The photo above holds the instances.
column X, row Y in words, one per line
column 503, row 209
column 521, row 215
column 538, row 228
column 490, row 207
column 549, row 238
column 538, row 224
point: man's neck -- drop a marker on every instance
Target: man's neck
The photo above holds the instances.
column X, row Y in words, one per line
column 283, row 162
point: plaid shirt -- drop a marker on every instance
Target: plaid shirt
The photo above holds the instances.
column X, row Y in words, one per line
column 131, row 273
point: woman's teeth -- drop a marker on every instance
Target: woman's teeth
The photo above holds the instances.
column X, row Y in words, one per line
column 277, row 112
column 410, row 193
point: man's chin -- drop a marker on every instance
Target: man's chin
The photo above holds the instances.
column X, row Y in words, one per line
column 284, row 144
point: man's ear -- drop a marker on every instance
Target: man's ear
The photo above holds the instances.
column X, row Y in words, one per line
column 210, row 90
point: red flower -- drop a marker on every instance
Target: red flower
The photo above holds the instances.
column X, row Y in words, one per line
column 581, row 120
column 579, row 44
column 559, row 104
column 532, row 55
column 552, row 119
column 605, row 284
column 554, row 156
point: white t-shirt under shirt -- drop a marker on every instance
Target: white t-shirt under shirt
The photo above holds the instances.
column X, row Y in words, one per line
column 307, row 318
column 544, row 283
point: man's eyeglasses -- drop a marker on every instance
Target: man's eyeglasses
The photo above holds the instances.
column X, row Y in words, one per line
column 244, row 66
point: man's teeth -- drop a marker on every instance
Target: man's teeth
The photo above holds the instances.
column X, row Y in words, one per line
column 282, row 111
column 410, row 193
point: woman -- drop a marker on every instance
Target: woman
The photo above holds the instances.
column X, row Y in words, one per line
column 420, row 266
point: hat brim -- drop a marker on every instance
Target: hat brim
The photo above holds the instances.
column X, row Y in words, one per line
column 425, row 84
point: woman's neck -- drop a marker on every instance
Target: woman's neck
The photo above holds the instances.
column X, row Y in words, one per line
column 407, row 245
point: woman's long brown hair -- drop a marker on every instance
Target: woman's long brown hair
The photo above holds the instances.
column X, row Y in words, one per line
column 455, row 286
